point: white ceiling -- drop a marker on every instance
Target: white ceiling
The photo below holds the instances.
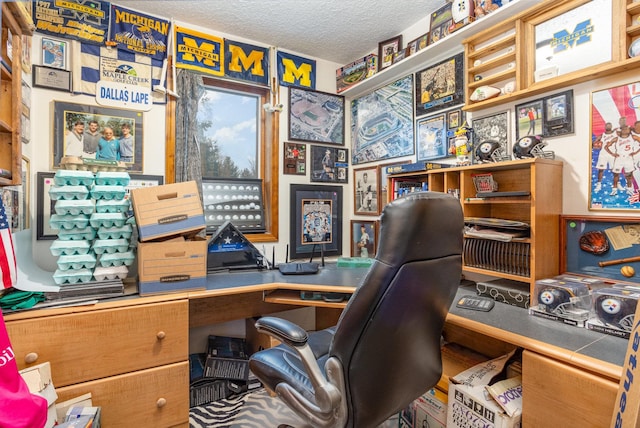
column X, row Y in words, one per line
column 340, row 31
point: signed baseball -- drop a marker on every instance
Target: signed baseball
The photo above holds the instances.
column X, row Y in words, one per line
column 627, row 271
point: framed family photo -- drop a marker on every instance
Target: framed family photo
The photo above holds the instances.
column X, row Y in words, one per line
column 364, row 238
column 315, row 216
column 316, row 116
column 78, row 128
column 367, row 195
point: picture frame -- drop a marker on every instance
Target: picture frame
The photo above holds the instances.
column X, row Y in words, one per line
column 386, row 51
column 329, row 164
column 454, row 119
column 492, row 127
column 13, row 200
column 558, row 114
column 54, row 53
column 440, row 22
column 558, row 52
column 431, row 138
column 375, row 109
column 316, row 116
column 294, row 159
column 51, row 78
column 529, row 118
column 26, row 191
column 440, row 86
column 45, row 206
column 417, row 44
column 366, row 191
column 308, row 202
column 384, row 182
column 364, row 238
column 66, row 114
column 613, row 109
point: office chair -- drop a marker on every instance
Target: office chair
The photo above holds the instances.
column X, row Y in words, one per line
column 385, row 350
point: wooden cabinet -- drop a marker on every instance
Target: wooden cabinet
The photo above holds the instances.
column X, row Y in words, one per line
column 523, row 260
column 133, row 358
column 15, row 23
column 506, row 52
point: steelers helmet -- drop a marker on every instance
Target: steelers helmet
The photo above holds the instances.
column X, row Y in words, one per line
column 530, row 146
column 491, row 151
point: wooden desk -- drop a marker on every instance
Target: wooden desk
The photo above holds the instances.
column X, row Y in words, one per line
column 131, row 353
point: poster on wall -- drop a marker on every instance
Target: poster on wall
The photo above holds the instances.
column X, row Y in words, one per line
column 73, row 19
column 382, row 123
column 615, row 139
column 139, row 32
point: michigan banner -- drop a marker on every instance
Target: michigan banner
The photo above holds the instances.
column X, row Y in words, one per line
column 200, row 52
column 85, row 21
column 139, row 33
column 296, row 71
column 246, row 62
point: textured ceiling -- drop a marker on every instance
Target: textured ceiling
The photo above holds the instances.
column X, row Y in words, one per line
column 334, row 30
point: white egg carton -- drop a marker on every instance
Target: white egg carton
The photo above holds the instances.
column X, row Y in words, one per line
column 110, row 273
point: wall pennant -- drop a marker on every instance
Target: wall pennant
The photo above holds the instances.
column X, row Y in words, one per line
column 246, row 62
column 200, row 52
column 139, row 33
column 296, row 71
column 73, row 19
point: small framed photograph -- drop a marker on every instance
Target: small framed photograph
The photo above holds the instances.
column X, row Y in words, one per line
column 558, row 114
column 431, row 138
column 364, row 238
column 45, row 207
column 454, row 119
column 51, row 78
column 387, row 51
column 529, row 118
column 54, row 53
column 295, row 159
column 492, row 127
column 417, row 44
column 329, row 164
column 367, row 195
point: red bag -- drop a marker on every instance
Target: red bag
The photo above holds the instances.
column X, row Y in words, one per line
column 18, row 407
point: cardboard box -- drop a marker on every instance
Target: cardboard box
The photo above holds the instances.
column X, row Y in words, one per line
column 172, row 266
column 167, row 210
column 505, row 291
column 431, row 409
column 355, row 72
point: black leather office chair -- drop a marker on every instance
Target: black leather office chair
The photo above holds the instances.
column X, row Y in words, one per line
column 385, row 350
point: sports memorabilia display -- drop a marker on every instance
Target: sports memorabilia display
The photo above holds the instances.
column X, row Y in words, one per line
column 531, row 146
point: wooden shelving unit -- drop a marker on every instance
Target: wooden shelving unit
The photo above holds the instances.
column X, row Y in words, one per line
column 15, row 23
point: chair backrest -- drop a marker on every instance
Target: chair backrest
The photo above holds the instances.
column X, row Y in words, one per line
column 388, row 337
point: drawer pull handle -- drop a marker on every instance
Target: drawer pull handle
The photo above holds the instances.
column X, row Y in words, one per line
column 161, row 335
column 161, row 402
column 31, row 357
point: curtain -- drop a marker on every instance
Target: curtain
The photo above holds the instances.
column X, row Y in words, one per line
column 190, row 88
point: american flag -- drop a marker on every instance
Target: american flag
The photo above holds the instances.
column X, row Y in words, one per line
column 8, row 275
column 635, row 198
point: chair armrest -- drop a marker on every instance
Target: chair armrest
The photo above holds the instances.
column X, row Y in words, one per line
column 283, row 330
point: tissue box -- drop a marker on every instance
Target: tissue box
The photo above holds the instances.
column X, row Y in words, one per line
column 170, row 209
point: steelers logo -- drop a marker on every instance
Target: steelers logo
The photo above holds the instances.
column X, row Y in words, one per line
column 485, row 147
column 611, row 306
column 547, row 297
column 525, row 142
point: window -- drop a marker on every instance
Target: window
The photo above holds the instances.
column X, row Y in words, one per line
column 237, row 139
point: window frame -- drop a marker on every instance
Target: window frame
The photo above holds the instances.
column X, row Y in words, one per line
column 268, row 162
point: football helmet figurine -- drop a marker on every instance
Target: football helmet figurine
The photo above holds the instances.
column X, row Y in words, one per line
column 491, row 151
column 530, row 146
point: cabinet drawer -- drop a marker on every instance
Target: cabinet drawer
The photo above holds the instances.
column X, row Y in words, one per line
column 157, row 397
column 557, row 395
column 96, row 344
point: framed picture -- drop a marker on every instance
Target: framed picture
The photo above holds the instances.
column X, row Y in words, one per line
column 558, row 114
column 316, row 116
column 387, row 50
column 384, row 182
column 316, row 219
column 492, row 127
column 329, row 164
column 440, row 86
column 366, row 194
column 382, row 126
column 440, row 21
column 45, row 207
column 54, row 53
column 417, row 44
column 615, row 129
column 295, row 159
column 431, row 138
column 529, row 118
column 73, row 134
column 454, row 119
column 51, row 78
column 364, row 238
column 13, row 199
column 26, row 191
column 573, row 40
